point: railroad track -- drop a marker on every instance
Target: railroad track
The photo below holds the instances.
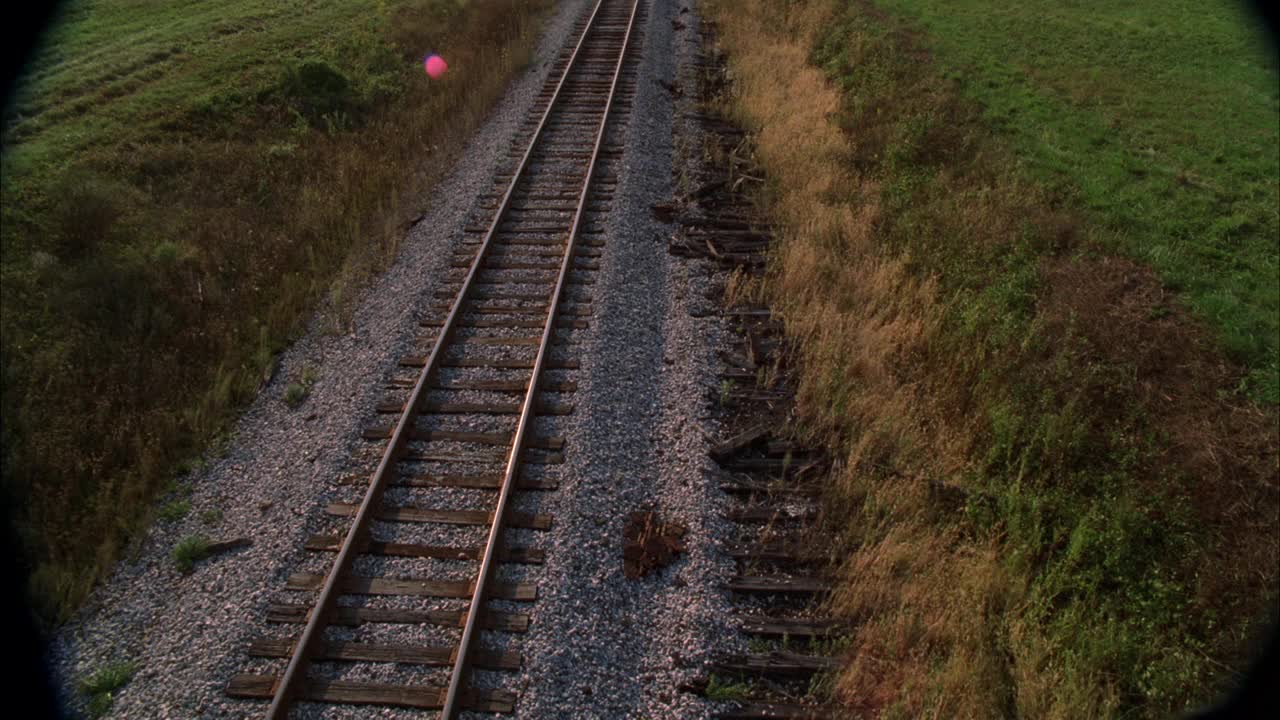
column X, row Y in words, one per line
column 496, row 367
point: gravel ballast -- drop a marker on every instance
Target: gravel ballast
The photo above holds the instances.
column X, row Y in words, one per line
column 600, row 645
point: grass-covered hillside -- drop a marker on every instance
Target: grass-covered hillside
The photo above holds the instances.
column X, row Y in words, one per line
column 1162, row 123
column 182, row 183
column 1029, row 257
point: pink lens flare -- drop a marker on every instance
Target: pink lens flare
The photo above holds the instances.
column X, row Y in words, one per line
column 435, row 66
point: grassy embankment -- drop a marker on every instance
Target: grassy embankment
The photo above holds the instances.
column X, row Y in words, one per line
column 1030, row 258
column 182, row 186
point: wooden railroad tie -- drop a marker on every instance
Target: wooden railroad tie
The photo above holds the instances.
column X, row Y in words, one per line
column 423, row 697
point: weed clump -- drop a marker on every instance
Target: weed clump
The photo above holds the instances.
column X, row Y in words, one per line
column 174, row 511
column 725, row 690
column 316, row 88
column 296, row 393
column 189, row 551
column 99, row 688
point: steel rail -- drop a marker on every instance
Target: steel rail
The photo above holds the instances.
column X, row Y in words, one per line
column 295, row 672
column 452, row 703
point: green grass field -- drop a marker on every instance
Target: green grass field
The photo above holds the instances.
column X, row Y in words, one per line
column 184, row 184
column 1162, row 119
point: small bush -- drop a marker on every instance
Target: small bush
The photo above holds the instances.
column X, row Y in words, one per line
column 316, row 88
column 211, row 517
column 99, row 688
column 297, row 392
column 174, row 511
column 189, row 551
column 726, row 690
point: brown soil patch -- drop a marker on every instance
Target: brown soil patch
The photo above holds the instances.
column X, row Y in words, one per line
column 1221, row 443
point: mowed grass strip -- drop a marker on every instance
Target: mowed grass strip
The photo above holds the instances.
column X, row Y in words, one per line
column 1163, row 122
column 1105, row 543
column 183, row 186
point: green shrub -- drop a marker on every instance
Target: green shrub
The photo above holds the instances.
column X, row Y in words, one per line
column 297, row 392
column 99, row 688
column 173, row 511
column 721, row 690
column 189, row 551
column 316, row 88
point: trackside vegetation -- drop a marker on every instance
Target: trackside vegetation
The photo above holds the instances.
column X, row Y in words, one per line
column 183, row 187
column 1043, row 352
column 99, row 687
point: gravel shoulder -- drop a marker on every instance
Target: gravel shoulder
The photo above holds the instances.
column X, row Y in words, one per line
column 600, row 645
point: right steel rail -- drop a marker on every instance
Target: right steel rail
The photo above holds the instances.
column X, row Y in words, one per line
column 295, row 672
column 453, row 697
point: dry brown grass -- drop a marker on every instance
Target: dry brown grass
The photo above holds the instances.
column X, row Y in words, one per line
column 855, row 309
column 1119, row 541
